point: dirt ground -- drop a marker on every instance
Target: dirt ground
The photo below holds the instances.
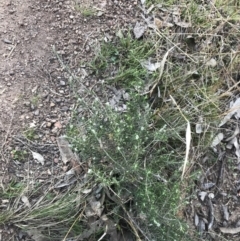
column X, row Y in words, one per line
column 35, row 93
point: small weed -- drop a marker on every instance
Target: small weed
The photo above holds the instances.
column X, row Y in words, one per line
column 13, row 190
column 84, row 10
column 19, row 155
column 123, row 59
column 30, row 134
column 34, row 100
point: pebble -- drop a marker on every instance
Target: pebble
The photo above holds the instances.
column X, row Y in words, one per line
column 32, row 107
column 55, row 160
column 27, row 103
column 64, row 108
column 44, row 95
column 49, row 124
column 36, row 112
column 62, row 83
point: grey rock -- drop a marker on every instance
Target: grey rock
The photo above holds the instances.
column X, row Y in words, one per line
column 27, row 103
column 62, row 83
column 36, row 112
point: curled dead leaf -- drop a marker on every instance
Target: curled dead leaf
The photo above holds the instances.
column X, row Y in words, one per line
column 183, row 24
column 230, row 230
column 139, row 30
column 26, row 201
column 38, row 157
column 217, row 139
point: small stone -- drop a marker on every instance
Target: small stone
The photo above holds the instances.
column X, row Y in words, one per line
column 126, row 96
column 62, row 83
column 27, row 103
column 58, row 100
column 36, row 112
column 49, row 124
column 12, row 11
column 54, row 130
column 52, row 104
column 64, row 108
column 32, row 107
column 58, row 125
column 44, row 95
column 238, row 223
column 55, row 160
column 211, row 195
column 7, row 41
column 87, row 49
column 225, row 223
column 9, row 84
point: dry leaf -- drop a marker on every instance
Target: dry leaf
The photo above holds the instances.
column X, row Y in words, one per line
column 236, row 145
column 150, row 66
column 158, row 23
column 230, row 230
column 199, row 128
column 139, row 30
column 38, row 157
column 162, row 64
column 202, row 195
column 236, row 132
column 183, row 24
column 196, row 220
column 67, row 154
column 225, row 212
column 212, row 63
column 35, row 234
column 201, row 226
column 119, row 34
column 208, row 185
column 217, row 139
column 26, row 201
column 86, row 191
column 235, row 110
column 58, row 125
column 65, row 150
column 188, row 141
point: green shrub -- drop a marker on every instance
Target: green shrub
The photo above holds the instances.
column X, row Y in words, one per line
column 128, row 154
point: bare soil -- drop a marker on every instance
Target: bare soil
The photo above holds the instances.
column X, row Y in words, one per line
column 41, row 43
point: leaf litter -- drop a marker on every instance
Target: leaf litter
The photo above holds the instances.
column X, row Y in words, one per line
column 38, row 157
column 217, row 194
column 234, row 111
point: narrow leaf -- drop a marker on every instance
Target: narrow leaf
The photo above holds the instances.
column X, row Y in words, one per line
column 188, row 142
